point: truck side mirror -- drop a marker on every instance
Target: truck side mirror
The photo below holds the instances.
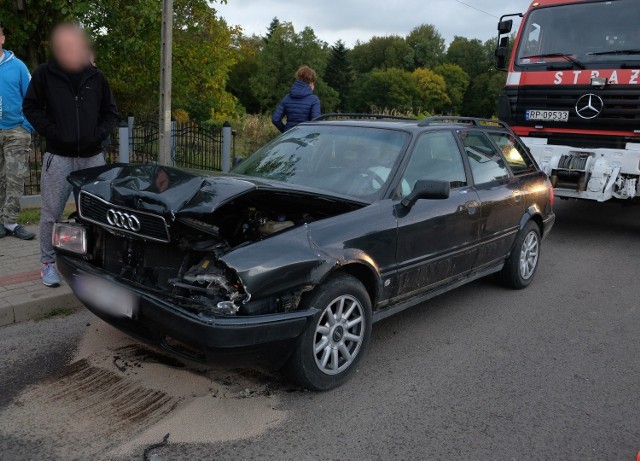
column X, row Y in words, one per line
column 502, row 53
column 505, row 27
column 426, row 189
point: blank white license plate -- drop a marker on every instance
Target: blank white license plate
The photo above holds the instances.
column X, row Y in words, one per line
column 106, row 296
column 548, row 115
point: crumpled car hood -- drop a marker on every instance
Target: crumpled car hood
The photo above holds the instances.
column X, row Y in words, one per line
column 168, row 191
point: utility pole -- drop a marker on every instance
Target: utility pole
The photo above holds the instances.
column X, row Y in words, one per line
column 164, row 138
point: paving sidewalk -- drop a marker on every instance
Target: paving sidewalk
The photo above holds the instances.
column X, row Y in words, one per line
column 22, row 294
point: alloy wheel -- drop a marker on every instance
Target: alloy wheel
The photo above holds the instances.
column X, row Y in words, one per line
column 529, row 254
column 339, row 335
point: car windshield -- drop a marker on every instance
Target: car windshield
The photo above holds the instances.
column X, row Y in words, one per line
column 343, row 160
column 581, row 34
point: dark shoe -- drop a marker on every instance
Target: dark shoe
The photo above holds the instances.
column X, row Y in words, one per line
column 3, row 231
column 21, row 233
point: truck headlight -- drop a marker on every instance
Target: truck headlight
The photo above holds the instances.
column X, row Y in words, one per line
column 69, row 237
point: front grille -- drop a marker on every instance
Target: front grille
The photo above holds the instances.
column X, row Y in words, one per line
column 621, row 106
column 94, row 209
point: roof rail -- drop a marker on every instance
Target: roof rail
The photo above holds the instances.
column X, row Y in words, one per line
column 356, row 116
column 475, row 121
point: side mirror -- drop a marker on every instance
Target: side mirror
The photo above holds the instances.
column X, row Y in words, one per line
column 505, row 27
column 502, row 53
column 426, row 189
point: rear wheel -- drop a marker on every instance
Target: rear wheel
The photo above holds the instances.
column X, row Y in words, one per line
column 523, row 262
column 330, row 349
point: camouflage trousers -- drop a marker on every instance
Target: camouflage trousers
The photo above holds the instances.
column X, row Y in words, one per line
column 15, row 148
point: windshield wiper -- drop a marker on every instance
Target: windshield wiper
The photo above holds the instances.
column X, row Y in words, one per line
column 613, row 52
column 569, row 58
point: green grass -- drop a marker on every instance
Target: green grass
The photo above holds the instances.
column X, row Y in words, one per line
column 57, row 312
column 31, row 216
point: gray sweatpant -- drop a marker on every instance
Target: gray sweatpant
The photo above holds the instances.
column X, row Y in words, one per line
column 55, row 190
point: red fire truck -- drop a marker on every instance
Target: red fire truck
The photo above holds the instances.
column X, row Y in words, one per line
column 573, row 93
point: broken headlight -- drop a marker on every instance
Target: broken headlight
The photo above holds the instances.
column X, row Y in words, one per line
column 70, row 237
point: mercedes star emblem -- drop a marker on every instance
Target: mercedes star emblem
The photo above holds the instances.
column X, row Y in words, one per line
column 589, row 106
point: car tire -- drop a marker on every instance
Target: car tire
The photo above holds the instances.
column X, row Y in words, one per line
column 522, row 264
column 330, row 349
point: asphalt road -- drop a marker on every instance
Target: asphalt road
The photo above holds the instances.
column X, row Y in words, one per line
column 551, row 372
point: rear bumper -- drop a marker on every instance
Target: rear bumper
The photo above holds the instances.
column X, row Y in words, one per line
column 265, row 339
column 547, row 224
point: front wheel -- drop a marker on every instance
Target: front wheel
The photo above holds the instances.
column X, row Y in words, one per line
column 330, row 349
column 523, row 262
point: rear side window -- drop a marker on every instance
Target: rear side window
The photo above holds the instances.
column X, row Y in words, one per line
column 436, row 157
column 486, row 164
column 515, row 155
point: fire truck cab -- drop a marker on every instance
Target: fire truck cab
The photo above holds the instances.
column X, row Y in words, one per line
column 573, row 93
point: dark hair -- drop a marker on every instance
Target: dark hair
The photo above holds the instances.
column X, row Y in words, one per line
column 306, row 74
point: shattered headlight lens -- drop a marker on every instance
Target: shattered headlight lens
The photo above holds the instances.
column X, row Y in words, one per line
column 69, row 237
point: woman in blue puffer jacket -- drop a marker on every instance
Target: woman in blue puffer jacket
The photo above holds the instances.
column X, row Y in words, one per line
column 300, row 105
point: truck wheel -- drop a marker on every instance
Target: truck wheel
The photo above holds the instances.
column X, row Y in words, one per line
column 522, row 264
column 330, row 349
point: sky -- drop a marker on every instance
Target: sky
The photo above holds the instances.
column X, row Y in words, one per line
column 352, row 20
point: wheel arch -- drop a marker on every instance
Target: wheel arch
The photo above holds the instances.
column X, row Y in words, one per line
column 366, row 275
column 534, row 214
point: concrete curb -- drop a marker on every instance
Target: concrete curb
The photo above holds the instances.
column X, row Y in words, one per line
column 35, row 304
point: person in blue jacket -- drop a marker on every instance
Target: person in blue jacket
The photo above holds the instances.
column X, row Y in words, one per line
column 300, row 105
column 15, row 141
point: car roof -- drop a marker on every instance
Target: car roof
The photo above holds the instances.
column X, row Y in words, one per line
column 408, row 124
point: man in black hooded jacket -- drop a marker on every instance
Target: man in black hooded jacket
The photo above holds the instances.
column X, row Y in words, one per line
column 70, row 104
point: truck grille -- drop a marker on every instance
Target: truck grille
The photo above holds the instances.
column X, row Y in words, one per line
column 621, row 106
column 147, row 226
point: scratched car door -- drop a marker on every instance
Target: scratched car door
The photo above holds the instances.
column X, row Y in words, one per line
column 436, row 238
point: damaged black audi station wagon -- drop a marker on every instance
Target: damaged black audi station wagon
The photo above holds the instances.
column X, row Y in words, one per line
column 290, row 258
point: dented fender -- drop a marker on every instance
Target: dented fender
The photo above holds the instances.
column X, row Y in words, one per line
column 283, row 263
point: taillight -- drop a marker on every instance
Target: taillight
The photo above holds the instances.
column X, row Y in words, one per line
column 552, row 196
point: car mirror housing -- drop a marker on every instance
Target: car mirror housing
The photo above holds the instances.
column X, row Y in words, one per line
column 426, row 189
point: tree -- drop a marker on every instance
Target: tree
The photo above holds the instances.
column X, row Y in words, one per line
column 247, row 51
column 482, row 97
column 428, row 46
column 29, row 23
column 127, row 38
column 457, row 82
column 387, row 52
column 338, row 74
column 470, row 54
column 393, row 89
column 281, row 56
column 431, row 92
column 273, row 26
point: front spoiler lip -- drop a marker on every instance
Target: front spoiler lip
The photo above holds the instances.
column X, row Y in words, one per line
column 210, row 336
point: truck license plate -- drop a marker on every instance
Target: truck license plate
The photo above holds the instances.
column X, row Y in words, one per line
column 547, row 115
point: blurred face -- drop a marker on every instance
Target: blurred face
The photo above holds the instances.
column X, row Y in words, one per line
column 1, row 39
column 70, row 48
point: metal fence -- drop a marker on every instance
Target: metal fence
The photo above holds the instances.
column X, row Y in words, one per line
column 194, row 145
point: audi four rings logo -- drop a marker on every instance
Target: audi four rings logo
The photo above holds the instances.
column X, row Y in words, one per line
column 589, row 106
column 123, row 220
